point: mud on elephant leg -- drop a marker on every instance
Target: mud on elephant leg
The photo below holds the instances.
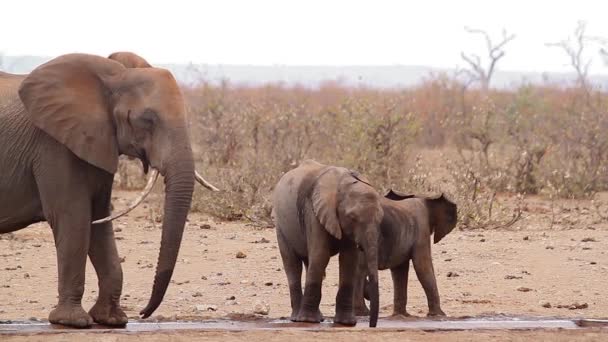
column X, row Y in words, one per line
column 423, row 265
column 400, row 278
column 344, row 299
column 293, row 268
column 359, row 299
column 309, row 308
column 105, row 259
column 71, row 233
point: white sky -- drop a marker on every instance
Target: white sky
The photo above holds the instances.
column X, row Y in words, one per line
column 423, row 32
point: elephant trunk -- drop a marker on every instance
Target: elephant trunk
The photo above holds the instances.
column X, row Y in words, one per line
column 179, row 185
column 372, row 271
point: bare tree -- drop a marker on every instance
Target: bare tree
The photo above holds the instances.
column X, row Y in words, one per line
column 574, row 47
column 495, row 52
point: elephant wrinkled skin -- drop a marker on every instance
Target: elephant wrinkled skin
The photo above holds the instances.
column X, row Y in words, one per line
column 320, row 211
column 62, row 128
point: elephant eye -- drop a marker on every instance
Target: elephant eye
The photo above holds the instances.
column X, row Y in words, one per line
column 147, row 119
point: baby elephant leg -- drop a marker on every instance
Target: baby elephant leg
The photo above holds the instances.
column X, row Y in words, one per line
column 423, row 264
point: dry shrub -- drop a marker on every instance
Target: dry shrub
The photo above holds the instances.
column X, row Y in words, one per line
column 479, row 146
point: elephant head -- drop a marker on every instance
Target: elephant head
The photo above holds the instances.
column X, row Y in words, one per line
column 349, row 208
column 442, row 212
column 99, row 110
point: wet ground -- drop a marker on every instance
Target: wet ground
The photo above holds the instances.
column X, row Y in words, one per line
column 485, row 323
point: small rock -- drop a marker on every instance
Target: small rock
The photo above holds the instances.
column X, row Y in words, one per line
column 123, row 259
column 117, row 230
column 482, row 240
column 589, row 239
column 545, row 305
column 549, row 247
column 586, row 248
column 524, row 289
column 508, row 276
column 206, row 307
column 261, row 308
column 574, row 306
column 240, row 255
column 37, row 245
column 218, row 273
column 203, row 277
column 197, row 294
column 526, row 238
column 449, row 259
column 268, row 283
column 182, row 282
column 262, row 240
column 452, row 274
column 593, row 263
column 205, row 226
column 231, row 298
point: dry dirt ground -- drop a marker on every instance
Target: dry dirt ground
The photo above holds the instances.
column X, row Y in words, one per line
column 532, row 269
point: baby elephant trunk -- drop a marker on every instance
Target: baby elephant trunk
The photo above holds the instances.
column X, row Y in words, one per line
column 374, row 297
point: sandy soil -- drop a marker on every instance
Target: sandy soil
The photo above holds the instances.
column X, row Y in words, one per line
column 367, row 335
column 533, row 269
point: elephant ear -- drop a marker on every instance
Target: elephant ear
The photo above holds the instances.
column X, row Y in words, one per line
column 325, row 201
column 361, row 178
column 69, row 99
column 129, row 59
column 442, row 216
column 397, row 195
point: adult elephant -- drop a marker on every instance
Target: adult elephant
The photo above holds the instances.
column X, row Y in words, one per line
column 319, row 211
column 62, row 128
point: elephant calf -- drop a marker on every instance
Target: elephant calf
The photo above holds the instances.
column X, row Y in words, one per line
column 320, row 211
column 405, row 232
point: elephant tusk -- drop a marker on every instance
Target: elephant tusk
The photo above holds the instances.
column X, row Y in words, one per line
column 151, row 180
column 203, row 182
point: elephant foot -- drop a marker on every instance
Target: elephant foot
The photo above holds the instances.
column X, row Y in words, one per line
column 345, row 318
column 108, row 315
column 436, row 313
column 362, row 311
column 70, row 315
column 310, row 317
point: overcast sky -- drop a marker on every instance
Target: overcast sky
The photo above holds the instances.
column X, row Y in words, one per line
column 425, row 32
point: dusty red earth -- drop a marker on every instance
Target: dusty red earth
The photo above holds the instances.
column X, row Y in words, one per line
column 534, row 268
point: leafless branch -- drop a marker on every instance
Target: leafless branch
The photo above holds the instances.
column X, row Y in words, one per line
column 495, row 53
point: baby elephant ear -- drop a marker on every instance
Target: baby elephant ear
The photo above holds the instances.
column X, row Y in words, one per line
column 361, row 178
column 325, row 202
column 397, row 195
column 442, row 216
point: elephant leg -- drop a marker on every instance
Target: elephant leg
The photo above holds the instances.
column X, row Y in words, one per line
column 293, row 268
column 348, row 260
column 105, row 259
column 400, row 279
column 318, row 258
column 423, row 264
column 359, row 291
column 71, row 230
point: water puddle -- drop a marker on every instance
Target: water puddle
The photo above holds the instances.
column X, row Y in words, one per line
column 485, row 323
